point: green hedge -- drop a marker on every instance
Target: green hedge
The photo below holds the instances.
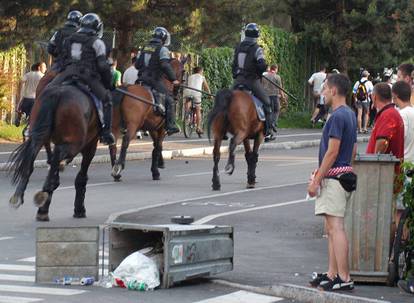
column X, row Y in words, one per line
column 283, row 48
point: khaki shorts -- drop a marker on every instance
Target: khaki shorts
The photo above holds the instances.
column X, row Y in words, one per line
column 332, row 199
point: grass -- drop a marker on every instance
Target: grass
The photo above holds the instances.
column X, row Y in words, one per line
column 296, row 120
column 11, row 132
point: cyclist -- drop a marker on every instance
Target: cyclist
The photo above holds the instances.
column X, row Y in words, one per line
column 197, row 81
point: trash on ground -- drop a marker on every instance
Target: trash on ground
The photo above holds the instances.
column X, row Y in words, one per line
column 138, row 272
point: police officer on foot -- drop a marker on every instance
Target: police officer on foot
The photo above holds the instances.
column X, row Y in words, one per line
column 248, row 66
column 153, row 63
column 86, row 59
column 55, row 45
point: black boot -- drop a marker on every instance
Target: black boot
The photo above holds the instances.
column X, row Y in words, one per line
column 171, row 127
column 269, row 126
column 107, row 137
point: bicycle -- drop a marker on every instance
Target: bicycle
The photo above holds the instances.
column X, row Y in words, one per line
column 402, row 254
column 190, row 118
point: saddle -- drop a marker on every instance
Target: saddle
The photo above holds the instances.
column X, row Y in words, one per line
column 85, row 89
column 257, row 103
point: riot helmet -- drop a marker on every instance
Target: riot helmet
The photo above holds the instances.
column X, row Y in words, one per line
column 162, row 34
column 73, row 18
column 91, row 24
column 252, row 30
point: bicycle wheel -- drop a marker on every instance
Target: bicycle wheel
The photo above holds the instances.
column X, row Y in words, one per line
column 188, row 123
column 402, row 253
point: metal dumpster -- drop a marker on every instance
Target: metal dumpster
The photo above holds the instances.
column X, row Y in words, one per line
column 188, row 251
column 369, row 216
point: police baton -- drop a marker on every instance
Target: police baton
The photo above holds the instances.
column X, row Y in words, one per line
column 197, row 90
column 282, row 89
column 143, row 100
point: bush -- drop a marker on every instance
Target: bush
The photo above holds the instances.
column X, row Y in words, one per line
column 296, row 120
column 10, row 132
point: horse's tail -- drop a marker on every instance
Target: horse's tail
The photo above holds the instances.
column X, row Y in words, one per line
column 221, row 103
column 22, row 158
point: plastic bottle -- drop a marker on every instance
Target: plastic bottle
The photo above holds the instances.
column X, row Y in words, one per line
column 136, row 285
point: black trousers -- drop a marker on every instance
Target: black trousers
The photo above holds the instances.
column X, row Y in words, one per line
column 256, row 87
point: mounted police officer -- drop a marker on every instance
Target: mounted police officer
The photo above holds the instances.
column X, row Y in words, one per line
column 85, row 59
column 152, row 64
column 55, row 45
column 248, row 66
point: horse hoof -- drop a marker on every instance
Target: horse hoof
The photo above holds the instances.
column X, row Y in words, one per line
column 117, row 178
column 156, row 178
column 62, row 165
column 229, row 169
column 216, row 187
column 42, row 218
column 116, row 170
column 250, row 185
column 16, row 201
column 79, row 215
column 40, row 198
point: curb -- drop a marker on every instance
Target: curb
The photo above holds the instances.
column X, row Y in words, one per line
column 300, row 293
column 189, row 152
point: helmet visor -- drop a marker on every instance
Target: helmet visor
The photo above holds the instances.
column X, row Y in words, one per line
column 99, row 33
column 168, row 39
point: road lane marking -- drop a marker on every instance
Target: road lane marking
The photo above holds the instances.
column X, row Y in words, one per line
column 20, row 278
column 6, row 238
column 7, row 299
column 16, row 267
column 242, row 296
column 88, row 185
column 222, row 171
column 113, row 216
column 234, row 212
column 41, row 290
column 29, row 259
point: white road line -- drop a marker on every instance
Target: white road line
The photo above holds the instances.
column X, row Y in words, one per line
column 6, row 238
column 7, row 299
column 242, row 297
column 88, row 185
column 222, row 171
column 41, row 290
column 113, row 216
column 29, row 259
column 229, row 213
column 20, row 278
column 16, row 267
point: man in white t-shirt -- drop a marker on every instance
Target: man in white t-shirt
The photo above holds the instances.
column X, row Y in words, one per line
column 131, row 73
column 197, row 81
column 28, row 85
column 362, row 96
column 316, row 81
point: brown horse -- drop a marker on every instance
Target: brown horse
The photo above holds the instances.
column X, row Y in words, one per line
column 67, row 118
column 234, row 112
column 139, row 115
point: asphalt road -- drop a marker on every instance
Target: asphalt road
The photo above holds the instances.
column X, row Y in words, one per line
column 277, row 237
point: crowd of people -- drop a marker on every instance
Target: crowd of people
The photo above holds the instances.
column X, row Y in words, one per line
column 333, row 182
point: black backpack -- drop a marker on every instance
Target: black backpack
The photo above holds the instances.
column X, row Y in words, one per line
column 361, row 93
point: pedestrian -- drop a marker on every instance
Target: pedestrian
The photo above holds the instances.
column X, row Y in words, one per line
column 116, row 74
column 316, row 81
column 274, row 93
column 388, row 133
column 28, row 85
column 199, row 82
column 334, row 181
column 130, row 75
column 404, row 73
column 361, row 96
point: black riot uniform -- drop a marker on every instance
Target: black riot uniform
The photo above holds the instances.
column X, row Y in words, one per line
column 86, row 60
column 248, row 66
column 55, row 45
column 152, row 64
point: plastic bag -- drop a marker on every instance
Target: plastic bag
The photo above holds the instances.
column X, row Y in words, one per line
column 139, row 268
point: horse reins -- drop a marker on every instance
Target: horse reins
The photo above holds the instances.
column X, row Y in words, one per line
column 143, row 100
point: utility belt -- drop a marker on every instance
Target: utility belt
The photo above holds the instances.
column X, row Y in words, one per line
column 346, row 177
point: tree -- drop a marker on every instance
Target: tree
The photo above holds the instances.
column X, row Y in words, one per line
column 351, row 33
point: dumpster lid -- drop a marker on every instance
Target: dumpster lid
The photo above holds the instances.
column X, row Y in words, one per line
column 376, row 158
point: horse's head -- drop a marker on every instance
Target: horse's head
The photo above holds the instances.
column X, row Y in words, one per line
column 179, row 72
